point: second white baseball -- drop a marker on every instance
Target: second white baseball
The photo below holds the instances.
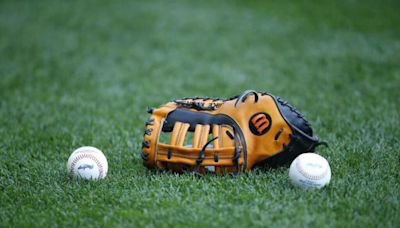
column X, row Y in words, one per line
column 87, row 163
column 310, row 170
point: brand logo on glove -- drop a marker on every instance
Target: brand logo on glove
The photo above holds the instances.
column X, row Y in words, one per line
column 260, row 123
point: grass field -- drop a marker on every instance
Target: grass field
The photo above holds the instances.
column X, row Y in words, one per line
column 76, row 73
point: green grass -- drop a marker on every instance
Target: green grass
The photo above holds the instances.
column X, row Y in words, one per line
column 76, row 73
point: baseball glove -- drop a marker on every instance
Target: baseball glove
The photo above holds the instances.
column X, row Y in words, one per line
column 225, row 135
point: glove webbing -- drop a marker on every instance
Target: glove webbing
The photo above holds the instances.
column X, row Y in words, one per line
column 225, row 150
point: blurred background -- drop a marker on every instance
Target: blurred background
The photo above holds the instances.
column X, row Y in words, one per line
column 116, row 58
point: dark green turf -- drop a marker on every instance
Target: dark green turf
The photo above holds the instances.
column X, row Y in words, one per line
column 82, row 73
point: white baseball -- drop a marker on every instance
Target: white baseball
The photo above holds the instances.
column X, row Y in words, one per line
column 87, row 163
column 310, row 170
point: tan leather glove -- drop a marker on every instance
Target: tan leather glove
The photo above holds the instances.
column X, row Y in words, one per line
column 225, row 135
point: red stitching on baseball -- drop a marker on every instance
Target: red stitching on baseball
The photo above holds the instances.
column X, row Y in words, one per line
column 90, row 156
column 306, row 175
